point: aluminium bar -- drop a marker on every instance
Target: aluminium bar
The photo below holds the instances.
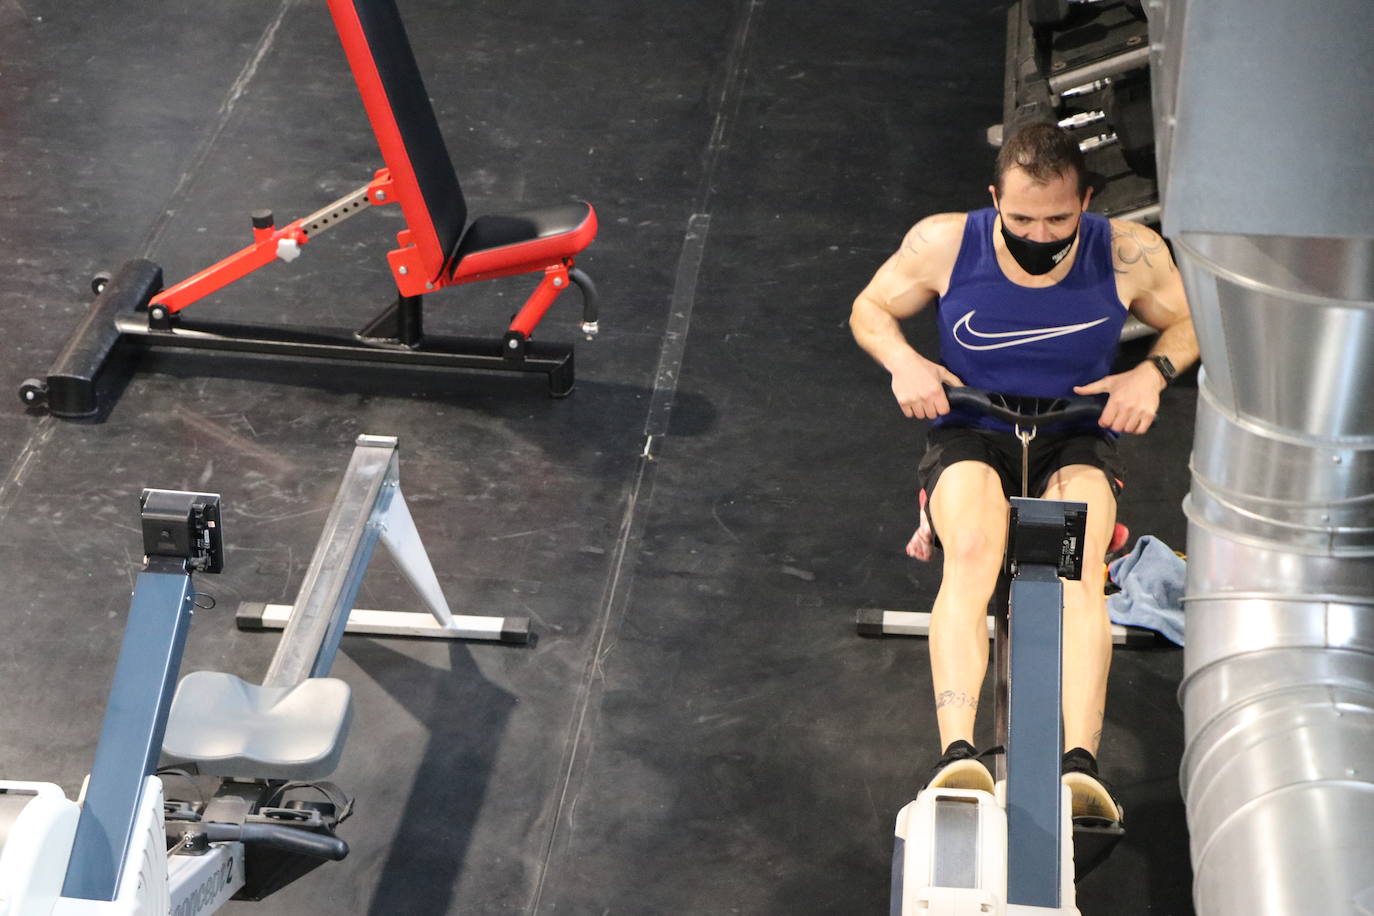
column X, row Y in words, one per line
column 131, row 736
column 256, row 616
column 1035, row 738
column 879, row 622
column 337, row 568
column 330, row 215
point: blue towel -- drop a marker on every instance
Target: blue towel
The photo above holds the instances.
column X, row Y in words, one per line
column 1151, row 579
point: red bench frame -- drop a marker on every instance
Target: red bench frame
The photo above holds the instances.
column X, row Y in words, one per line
column 420, row 264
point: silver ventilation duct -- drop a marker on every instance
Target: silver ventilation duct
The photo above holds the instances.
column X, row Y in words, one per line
column 1265, row 133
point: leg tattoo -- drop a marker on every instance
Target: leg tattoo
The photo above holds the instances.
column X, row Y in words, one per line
column 955, row 699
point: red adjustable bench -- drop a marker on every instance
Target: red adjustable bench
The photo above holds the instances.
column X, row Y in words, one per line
column 438, row 247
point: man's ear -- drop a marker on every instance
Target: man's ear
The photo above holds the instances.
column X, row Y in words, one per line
column 1087, row 196
column 992, row 189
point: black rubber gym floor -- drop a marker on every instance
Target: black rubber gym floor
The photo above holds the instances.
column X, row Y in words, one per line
column 697, row 729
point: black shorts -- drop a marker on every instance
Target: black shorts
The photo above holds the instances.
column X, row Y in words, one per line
column 1049, row 451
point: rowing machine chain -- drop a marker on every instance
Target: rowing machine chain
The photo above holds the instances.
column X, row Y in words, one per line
column 1025, row 436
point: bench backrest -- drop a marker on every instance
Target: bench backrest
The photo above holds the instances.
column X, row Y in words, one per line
column 379, row 54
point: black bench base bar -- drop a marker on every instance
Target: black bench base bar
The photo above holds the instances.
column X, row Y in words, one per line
column 120, row 315
column 554, row 360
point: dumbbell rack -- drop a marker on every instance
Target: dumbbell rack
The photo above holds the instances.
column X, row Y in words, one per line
column 1085, row 65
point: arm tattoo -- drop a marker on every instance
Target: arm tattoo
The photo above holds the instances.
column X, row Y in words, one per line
column 955, row 699
column 911, row 244
column 1130, row 247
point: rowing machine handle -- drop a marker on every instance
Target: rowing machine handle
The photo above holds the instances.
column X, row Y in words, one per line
column 1062, row 410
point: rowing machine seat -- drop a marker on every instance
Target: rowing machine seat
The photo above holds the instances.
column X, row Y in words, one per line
column 228, row 727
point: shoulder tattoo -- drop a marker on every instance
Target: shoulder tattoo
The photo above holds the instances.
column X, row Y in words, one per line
column 1132, row 244
column 916, row 240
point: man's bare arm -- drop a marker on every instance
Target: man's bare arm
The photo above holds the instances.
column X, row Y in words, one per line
column 906, row 283
column 1159, row 301
column 1155, row 290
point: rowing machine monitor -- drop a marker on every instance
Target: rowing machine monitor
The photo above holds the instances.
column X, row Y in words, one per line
column 183, row 526
column 1046, row 533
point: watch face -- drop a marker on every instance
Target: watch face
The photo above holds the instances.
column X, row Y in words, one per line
column 1166, row 367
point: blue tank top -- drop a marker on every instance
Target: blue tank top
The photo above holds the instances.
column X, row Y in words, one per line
column 1023, row 342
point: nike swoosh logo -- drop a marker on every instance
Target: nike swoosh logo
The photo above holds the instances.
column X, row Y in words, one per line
column 1005, row 339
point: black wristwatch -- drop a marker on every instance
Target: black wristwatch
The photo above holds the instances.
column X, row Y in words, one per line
column 1165, row 367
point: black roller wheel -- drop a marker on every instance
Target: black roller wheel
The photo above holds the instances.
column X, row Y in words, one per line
column 33, row 392
column 99, row 282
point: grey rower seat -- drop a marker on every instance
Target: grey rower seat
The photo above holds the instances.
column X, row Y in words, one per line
column 230, row 728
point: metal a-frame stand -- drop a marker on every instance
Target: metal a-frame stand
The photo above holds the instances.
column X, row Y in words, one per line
column 369, row 508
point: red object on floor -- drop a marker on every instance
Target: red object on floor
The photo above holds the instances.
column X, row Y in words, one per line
column 438, row 246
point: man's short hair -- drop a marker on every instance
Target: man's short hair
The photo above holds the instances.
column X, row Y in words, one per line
column 1045, row 152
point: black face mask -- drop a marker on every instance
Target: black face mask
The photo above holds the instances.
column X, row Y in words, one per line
column 1037, row 258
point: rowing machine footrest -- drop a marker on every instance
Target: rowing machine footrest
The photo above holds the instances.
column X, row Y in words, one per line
column 228, row 727
column 1093, row 840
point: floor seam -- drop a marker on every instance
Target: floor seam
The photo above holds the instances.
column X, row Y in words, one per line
column 189, row 176
column 13, row 483
column 47, row 425
column 656, row 425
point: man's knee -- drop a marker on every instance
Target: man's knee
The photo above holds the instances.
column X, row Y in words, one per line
column 1082, row 482
column 1087, row 484
column 971, row 549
